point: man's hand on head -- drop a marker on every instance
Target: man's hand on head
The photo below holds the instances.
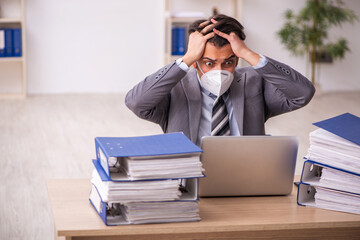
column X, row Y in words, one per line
column 238, row 46
column 197, row 42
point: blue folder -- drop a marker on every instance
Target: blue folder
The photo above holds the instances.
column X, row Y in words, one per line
column 105, row 178
column 181, row 40
column 346, row 126
column 17, row 48
column 306, row 196
column 178, row 40
column 101, row 208
column 311, row 174
column 169, row 144
column 8, row 43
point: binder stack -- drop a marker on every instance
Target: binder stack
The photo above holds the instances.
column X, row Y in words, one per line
column 149, row 179
column 331, row 174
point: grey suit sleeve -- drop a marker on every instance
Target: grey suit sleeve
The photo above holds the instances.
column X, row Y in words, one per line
column 284, row 88
column 150, row 98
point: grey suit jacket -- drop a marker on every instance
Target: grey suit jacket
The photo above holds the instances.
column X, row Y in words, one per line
column 171, row 97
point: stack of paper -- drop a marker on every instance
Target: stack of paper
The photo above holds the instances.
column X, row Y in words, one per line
column 336, row 179
column 121, row 192
column 146, row 179
column 331, row 175
column 150, row 168
column 336, row 200
column 328, row 148
column 153, row 212
column 170, row 155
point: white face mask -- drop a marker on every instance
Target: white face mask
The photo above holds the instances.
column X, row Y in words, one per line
column 216, row 81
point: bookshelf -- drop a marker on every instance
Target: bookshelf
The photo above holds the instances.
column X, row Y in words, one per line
column 13, row 69
column 180, row 13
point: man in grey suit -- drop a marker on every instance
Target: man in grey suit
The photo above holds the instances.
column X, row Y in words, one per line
column 181, row 99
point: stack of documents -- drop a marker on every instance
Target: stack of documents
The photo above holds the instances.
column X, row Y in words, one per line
column 331, row 174
column 150, row 168
column 156, row 212
column 328, row 148
column 147, row 179
column 170, row 155
column 165, row 190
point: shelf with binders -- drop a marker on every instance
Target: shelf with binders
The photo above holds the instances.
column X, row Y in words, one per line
column 181, row 13
column 12, row 59
column 12, row 49
column 11, row 40
column 177, row 36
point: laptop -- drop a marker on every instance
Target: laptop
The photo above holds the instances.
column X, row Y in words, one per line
column 248, row 165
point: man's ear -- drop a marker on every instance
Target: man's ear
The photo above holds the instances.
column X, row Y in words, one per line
column 194, row 65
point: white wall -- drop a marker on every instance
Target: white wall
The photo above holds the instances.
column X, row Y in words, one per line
column 263, row 18
column 92, row 45
column 108, row 46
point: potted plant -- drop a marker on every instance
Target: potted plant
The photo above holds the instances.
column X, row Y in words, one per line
column 307, row 31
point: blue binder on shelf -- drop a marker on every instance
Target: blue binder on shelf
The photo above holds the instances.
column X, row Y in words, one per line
column 17, row 43
column 8, row 42
column 181, row 40
column 174, row 41
column 178, row 40
column 2, row 42
column 109, row 149
column 346, row 126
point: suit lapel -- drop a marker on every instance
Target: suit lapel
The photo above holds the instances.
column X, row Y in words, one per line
column 193, row 94
column 237, row 98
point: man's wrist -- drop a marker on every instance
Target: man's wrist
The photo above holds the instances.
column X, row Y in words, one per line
column 262, row 62
column 188, row 60
column 182, row 64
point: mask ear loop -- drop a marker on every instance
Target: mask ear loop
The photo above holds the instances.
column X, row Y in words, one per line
column 197, row 64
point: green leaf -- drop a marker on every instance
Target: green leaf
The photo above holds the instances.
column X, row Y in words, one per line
column 338, row 49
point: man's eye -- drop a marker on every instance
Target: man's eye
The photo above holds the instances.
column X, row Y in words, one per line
column 229, row 62
column 209, row 64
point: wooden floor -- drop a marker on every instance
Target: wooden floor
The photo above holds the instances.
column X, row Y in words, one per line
column 45, row 137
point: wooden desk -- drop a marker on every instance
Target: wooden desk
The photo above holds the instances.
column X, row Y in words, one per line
column 222, row 218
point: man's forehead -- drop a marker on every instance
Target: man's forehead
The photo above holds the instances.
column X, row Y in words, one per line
column 216, row 53
column 219, row 59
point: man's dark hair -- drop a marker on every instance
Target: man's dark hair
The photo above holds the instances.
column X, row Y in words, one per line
column 224, row 24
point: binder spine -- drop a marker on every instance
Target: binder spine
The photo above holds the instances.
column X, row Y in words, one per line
column 102, row 157
column 8, row 43
column 98, row 204
column 17, row 48
column 181, row 40
column 306, row 193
